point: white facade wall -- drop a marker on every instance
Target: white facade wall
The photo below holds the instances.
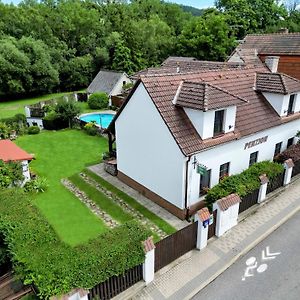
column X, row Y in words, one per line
column 203, row 121
column 38, row 121
column 25, row 169
column 146, row 150
column 238, row 157
column 281, row 102
column 119, row 86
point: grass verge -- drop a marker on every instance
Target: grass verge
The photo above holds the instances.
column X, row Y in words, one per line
column 162, row 224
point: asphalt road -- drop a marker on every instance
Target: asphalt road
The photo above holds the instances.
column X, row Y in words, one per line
column 272, row 277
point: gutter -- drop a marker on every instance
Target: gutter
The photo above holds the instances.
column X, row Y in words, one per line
column 186, row 188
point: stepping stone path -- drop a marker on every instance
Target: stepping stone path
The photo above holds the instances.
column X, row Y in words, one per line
column 125, row 206
column 107, row 219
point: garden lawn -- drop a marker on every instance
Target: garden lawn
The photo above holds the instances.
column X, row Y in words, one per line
column 60, row 154
column 10, row 108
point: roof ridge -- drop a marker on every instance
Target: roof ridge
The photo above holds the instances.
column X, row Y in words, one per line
column 205, row 97
column 275, row 33
column 283, row 83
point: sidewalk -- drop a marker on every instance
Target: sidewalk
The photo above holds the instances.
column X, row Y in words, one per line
column 186, row 276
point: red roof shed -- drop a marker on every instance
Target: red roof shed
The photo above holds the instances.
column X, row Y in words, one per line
column 11, row 152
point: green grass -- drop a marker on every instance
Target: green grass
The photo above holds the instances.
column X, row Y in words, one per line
column 162, row 224
column 59, row 155
column 114, row 210
column 10, row 108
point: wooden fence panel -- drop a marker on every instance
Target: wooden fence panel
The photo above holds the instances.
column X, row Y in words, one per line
column 275, row 183
column 248, row 201
column 175, row 245
column 296, row 169
column 116, row 284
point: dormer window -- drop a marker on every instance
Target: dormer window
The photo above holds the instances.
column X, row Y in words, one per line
column 219, row 122
column 291, row 105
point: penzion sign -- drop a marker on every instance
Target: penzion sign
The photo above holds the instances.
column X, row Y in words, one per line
column 256, row 142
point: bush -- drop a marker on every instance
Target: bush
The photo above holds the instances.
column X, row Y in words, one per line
column 38, row 185
column 52, row 121
column 243, row 183
column 11, row 174
column 39, row 256
column 292, row 152
column 98, row 101
column 91, row 128
column 33, row 130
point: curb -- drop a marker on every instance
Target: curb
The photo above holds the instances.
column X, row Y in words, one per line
column 242, row 253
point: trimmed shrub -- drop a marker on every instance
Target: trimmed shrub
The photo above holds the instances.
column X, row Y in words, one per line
column 292, row 152
column 91, row 128
column 52, row 121
column 33, row 130
column 39, row 256
column 243, row 183
column 98, row 101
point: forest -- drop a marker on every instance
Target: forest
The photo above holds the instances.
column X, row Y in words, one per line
column 59, row 45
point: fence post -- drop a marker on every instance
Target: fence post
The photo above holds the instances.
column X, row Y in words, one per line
column 227, row 213
column 263, row 188
column 202, row 216
column 288, row 165
column 148, row 265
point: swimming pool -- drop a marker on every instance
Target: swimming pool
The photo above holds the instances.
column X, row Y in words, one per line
column 101, row 119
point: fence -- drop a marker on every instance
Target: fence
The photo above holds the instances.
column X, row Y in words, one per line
column 275, row 183
column 296, row 169
column 116, row 284
column 175, row 245
column 248, row 201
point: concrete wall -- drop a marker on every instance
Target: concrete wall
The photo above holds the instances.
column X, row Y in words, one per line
column 235, row 153
column 25, row 168
column 146, row 150
column 204, row 121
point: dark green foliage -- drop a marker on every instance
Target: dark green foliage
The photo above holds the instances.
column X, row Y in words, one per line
column 98, row 101
column 243, row 183
column 11, row 174
column 52, row 121
column 37, row 185
column 33, row 130
column 67, row 110
column 16, row 123
column 292, row 152
column 39, row 256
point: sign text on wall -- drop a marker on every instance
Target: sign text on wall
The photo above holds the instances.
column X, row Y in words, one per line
column 256, row 142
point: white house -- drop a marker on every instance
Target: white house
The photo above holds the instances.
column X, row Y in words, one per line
column 174, row 126
column 9, row 151
column 110, row 82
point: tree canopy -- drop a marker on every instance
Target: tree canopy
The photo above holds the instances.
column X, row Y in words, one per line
column 47, row 46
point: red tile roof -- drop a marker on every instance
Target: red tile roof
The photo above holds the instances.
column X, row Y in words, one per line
column 204, row 214
column 148, row 244
column 273, row 44
column 205, row 96
column 277, row 83
column 263, row 179
column 228, row 201
column 11, row 152
column 289, row 163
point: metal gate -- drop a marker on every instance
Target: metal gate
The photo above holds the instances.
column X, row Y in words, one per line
column 212, row 227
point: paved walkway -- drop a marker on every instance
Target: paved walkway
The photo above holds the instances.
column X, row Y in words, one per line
column 158, row 210
column 189, row 274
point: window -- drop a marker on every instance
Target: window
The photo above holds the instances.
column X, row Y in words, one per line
column 253, row 158
column 224, row 170
column 204, row 182
column 291, row 105
column 219, row 122
column 290, row 142
column 277, row 148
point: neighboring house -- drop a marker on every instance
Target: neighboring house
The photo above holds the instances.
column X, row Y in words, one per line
column 177, row 134
column 9, row 151
column 286, row 46
column 110, row 82
column 34, row 114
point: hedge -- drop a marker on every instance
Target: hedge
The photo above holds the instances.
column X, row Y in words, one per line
column 243, row 183
column 292, row 152
column 40, row 257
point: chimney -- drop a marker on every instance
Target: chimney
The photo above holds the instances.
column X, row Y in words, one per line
column 272, row 63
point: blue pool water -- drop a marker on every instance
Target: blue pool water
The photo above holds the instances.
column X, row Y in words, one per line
column 101, row 119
